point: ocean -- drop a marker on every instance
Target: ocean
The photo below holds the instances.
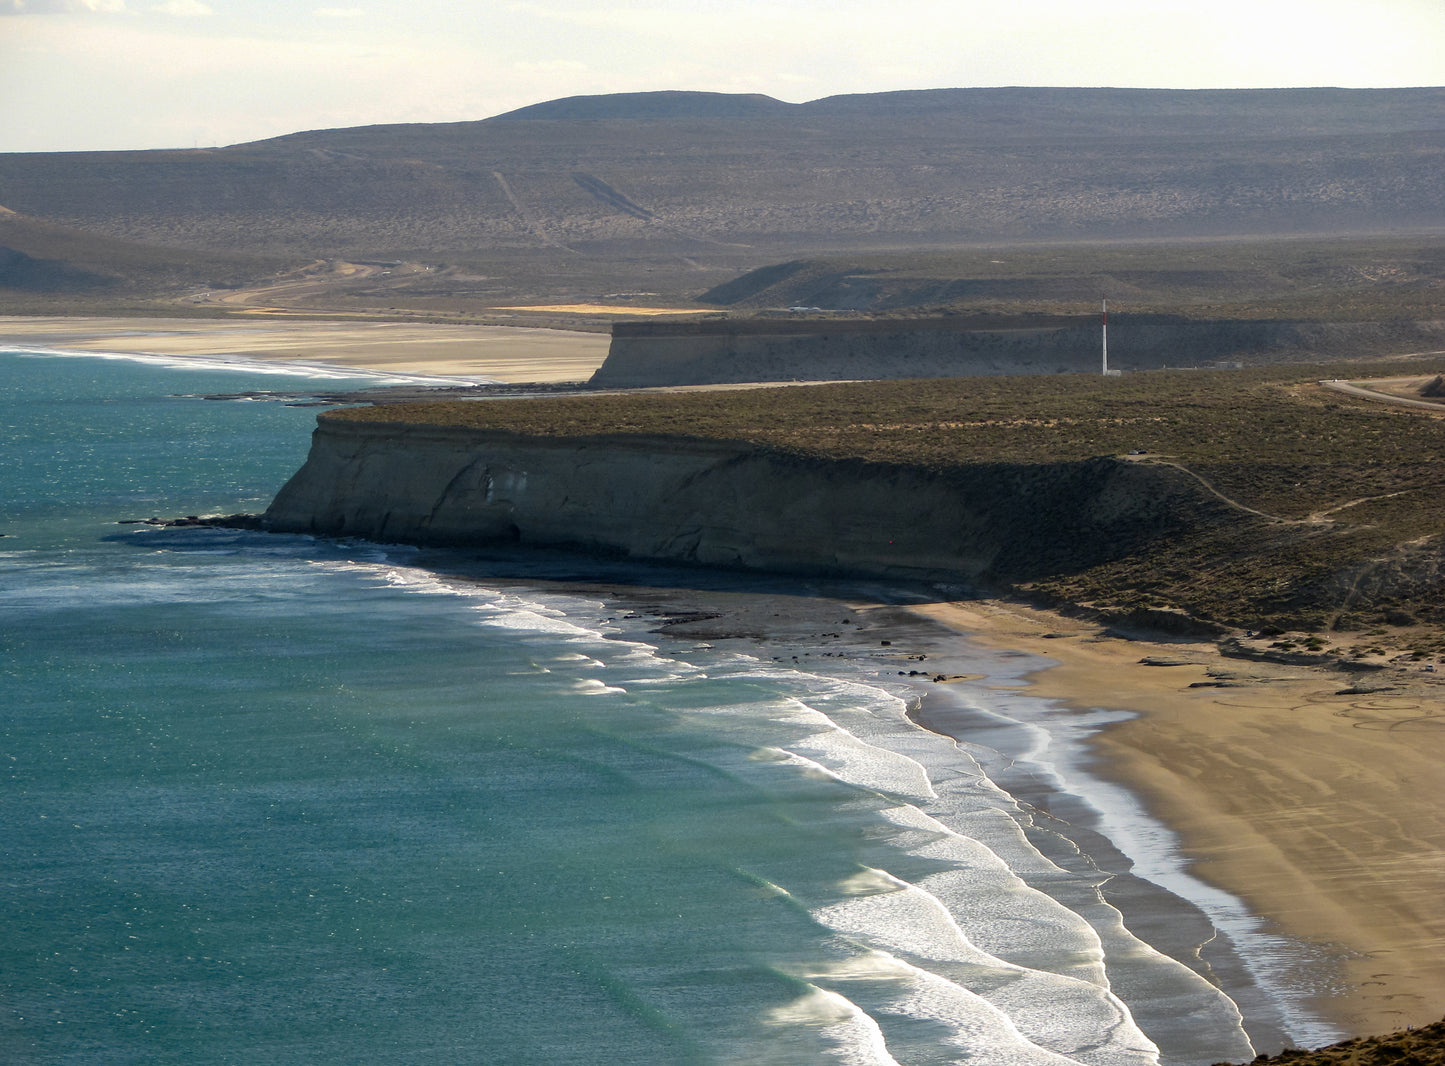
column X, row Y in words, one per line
column 272, row 799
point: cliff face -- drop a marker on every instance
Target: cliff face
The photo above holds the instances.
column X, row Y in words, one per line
column 724, row 352
column 649, row 354
column 728, row 504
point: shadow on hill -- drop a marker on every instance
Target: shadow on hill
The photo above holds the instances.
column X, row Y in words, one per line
column 28, row 274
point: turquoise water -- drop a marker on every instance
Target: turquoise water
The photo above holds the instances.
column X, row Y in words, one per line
column 273, row 800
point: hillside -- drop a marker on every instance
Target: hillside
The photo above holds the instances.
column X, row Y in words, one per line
column 717, row 183
column 44, row 264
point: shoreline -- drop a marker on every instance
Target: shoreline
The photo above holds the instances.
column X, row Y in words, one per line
column 1348, row 879
column 1313, row 811
column 884, row 636
column 455, row 354
column 1318, row 809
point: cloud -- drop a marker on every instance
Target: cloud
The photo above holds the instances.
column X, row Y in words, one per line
column 62, row 7
column 183, row 8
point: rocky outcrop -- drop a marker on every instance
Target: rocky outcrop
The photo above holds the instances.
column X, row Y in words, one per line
column 727, row 351
column 729, row 504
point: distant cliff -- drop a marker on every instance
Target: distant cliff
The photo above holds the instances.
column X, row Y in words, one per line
column 730, row 504
column 726, row 351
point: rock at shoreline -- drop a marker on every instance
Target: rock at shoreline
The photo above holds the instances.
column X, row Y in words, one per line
column 228, row 521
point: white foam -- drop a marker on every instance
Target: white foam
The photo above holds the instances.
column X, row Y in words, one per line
column 970, row 1026
column 553, row 617
column 808, row 767
column 1010, row 918
column 590, row 686
column 853, row 760
column 578, row 658
column 523, row 619
column 853, row 1036
column 1072, row 1017
column 298, row 368
column 498, row 610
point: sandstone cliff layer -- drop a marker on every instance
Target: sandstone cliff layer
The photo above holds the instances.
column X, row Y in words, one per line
column 730, row 504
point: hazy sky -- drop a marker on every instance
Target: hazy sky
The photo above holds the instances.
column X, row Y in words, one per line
column 104, row 74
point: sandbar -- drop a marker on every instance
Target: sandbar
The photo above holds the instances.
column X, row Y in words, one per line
column 1323, row 811
column 509, row 354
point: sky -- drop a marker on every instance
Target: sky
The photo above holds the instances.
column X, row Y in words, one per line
column 79, row 75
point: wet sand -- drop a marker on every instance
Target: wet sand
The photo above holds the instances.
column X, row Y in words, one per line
column 497, row 353
column 1324, row 812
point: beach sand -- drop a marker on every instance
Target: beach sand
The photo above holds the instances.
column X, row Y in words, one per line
column 500, row 353
column 1324, row 812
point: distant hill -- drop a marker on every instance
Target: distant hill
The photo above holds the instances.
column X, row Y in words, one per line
column 742, row 180
column 656, row 105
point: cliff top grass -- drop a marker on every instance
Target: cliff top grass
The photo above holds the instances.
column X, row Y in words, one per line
column 1343, row 485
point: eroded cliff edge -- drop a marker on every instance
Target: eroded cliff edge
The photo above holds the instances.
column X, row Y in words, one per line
column 731, row 503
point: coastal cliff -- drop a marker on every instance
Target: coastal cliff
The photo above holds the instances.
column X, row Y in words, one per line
column 728, row 503
column 727, row 351
column 730, row 351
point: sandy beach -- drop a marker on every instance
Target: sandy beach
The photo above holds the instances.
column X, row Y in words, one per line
column 1320, row 810
column 498, row 353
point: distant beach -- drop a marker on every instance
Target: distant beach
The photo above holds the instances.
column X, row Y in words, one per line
column 496, row 353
